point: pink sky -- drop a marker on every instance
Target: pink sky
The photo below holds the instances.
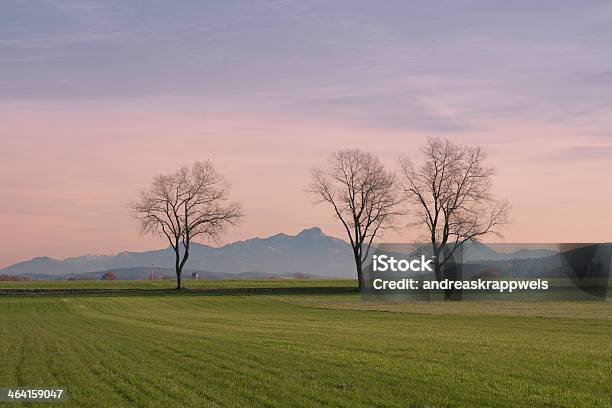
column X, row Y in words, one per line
column 97, row 97
column 69, row 170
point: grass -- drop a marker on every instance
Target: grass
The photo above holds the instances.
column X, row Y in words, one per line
column 318, row 350
column 565, row 310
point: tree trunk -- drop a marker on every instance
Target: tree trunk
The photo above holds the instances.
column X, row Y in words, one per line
column 448, row 274
column 182, row 265
column 179, row 285
column 438, row 269
column 358, row 265
column 437, row 266
column 177, row 267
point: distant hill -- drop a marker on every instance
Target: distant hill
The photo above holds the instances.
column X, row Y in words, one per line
column 42, row 265
column 310, row 252
column 475, row 251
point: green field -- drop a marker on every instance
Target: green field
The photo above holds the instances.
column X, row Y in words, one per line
column 306, row 350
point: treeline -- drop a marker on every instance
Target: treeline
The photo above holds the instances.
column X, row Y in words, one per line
column 14, row 278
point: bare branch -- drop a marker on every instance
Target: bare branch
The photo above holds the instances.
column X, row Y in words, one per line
column 452, row 195
column 190, row 203
column 362, row 194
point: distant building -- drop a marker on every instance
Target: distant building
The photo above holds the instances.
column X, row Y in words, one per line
column 195, row 275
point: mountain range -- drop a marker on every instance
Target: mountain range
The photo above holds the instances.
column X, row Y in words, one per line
column 309, row 252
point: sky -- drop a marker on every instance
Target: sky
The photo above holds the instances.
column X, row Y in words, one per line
column 97, row 97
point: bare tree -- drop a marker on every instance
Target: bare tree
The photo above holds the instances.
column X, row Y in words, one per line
column 451, row 192
column 185, row 205
column 363, row 196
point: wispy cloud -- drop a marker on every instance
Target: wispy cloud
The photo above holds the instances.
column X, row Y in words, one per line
column 390, row 110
